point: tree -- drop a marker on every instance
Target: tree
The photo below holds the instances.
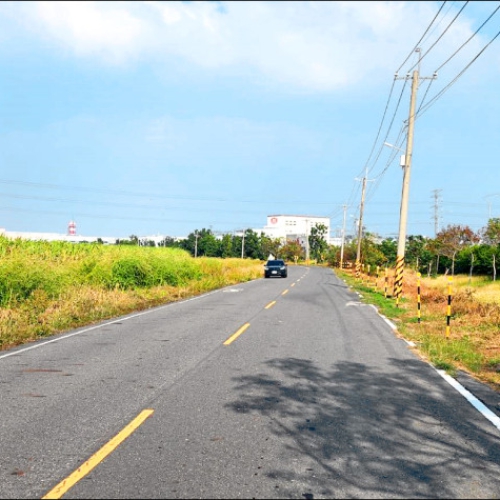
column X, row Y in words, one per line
column 417, row 252
column 270, row 246
column 226, row 246
column 491, row 233
column 371, row 253
column 208, row 245
column 317, row 242
column 454, row 238
column 168, row 241
column 389, row 247
column 292, row 250
column 252, row 248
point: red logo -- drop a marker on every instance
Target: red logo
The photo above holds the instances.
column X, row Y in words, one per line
column 274, row 220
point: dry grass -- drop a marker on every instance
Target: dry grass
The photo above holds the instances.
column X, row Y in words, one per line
column 473, row 343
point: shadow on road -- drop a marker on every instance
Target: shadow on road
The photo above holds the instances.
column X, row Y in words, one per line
column 363, row 432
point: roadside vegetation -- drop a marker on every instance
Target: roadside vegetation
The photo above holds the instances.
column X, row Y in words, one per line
column 473, row 343
column 50, row 287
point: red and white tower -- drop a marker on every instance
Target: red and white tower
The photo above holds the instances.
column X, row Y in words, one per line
column 71, row 228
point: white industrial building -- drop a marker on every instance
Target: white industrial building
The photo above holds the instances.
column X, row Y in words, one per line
column 294, row 227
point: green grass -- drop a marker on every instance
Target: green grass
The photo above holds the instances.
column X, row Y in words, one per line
column 460, row 351
column 48, row 287
column 386, row 306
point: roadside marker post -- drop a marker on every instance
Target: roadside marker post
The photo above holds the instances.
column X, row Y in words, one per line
column 448, row 308
column 418, row 297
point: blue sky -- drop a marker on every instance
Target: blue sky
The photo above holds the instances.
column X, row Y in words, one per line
column 163, row 117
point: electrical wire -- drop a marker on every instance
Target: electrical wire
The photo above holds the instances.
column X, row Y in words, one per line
column 421, row 38
column 440, row 36
column 150, row 195
column 423, row 106
column 381, row 123
column 436, row 26
column 110, row 216
column 452, row 82
column 391, row 123
column 422, row 102
column 468, row 40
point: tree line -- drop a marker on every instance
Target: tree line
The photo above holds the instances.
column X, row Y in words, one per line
column 248, row 244
column 454, row 249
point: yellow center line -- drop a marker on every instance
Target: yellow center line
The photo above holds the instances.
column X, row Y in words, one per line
column 271, row 304
column 285, row 292
column 234, row 336
column 98, row 457
column 293, row 284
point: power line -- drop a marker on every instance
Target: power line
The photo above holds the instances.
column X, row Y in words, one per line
column 436, row 26
column 440, row 36
column 447, row 87
column 381, row 123
column 392, row 121
column 421, row 38
column 151, row 195
column 468, row 40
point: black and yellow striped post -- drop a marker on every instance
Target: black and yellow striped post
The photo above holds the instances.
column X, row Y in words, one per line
column 358, row 268
column 378, row 276
column 398, row 279
column 418, row 297
column 448, row 308
column 386, row 282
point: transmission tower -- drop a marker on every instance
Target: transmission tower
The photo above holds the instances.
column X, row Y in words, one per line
column 436, row 217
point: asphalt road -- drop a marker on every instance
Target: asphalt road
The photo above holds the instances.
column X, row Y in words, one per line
column 276, row 388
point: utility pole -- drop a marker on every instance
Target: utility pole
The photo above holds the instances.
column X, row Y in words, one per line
column 360, row 223
column 403, row 214
column 344, row 207
column 243, row 245
column 436, row 210
column 307, row 240
column 196, row 235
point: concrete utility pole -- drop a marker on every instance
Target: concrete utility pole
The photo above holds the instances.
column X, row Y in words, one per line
column 344, row 207
column 360, row 224
column 307, row 240
column 360, row 227
column 196, row 235
column 403, row 214
column 436, row 211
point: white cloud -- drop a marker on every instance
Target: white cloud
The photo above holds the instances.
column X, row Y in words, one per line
column 305, row 45
column 89, row 29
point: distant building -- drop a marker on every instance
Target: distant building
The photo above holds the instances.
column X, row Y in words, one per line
column 73, row 238
column 294, row 227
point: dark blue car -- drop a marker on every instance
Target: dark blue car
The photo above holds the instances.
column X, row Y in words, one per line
column 276, row 268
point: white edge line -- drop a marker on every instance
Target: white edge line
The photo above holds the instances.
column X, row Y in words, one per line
column 389, row 322
column 484, row 410
column 85, row 330
column 480, row 407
